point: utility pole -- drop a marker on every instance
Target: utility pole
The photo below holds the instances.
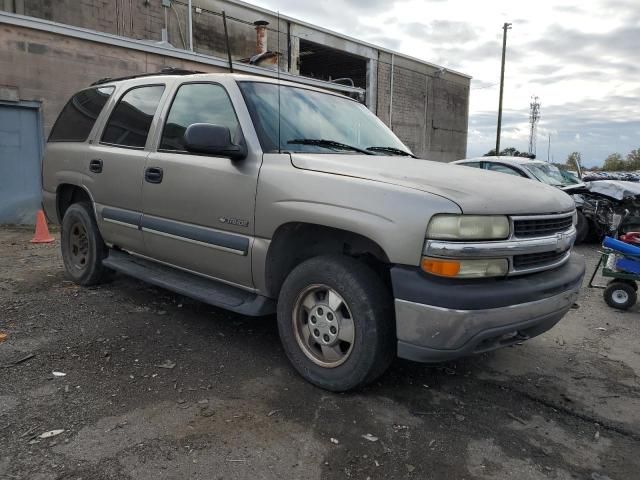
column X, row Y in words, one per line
column 190, row 21
column 534, row 118
column 549, row 149
column 505, row 27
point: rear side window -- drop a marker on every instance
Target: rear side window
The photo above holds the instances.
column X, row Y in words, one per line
column 79, row 115
column 471, row 164
column 497, row 167
column 198, row 103
column 130, row 120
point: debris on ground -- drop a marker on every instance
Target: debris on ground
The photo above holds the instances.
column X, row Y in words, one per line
column 58, row 374
column 410, row 468
column 516, row 418
column 51, row 433
column 117, row 425
column 23, row 359
column 370, row 437
column 3, row 336
column 335, row 441
column 599, row 476
column 168, row 364
column 272, row 413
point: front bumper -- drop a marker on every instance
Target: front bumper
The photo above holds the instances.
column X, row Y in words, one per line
column 440, row 319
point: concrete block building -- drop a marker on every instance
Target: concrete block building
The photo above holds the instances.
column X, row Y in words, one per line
column 51, row 48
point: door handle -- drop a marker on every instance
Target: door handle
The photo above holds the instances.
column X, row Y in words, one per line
column 153, row 175
column 95, row 165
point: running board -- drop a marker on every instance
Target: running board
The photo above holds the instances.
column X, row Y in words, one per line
column 190, row 285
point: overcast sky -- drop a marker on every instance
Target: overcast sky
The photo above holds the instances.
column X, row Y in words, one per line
column 582, row 58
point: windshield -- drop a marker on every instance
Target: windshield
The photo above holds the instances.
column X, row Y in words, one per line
column 315, row 122
column 549, row 174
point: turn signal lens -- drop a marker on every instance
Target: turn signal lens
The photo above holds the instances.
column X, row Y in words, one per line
column 443, row 268
column 490, row 267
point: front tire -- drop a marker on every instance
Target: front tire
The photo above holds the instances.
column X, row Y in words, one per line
column 582, row 228
column 82, row 246
column 336, row 322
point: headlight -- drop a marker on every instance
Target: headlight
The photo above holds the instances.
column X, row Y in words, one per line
column 468, row 227
column 444, row 267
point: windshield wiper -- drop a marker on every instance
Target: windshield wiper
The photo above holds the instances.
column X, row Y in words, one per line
column 393, row 150
column 328, row 144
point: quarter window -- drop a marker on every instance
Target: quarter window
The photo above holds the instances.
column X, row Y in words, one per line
column 198, row 103
column 130, row 121
column 79, row 115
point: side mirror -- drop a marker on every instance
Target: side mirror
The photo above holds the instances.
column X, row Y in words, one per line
column 213, row 140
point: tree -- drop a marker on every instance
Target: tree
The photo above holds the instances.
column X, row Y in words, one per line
column 508, row 152
column 633, row 159
column 574, row 161
column 614, row 163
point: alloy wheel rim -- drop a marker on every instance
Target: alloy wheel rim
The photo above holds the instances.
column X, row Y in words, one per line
column 78, row 246
column 323, row 326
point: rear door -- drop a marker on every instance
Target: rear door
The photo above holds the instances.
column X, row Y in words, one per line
column 199, row 209
column 115, row 166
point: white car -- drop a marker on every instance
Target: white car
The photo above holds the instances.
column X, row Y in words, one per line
column 535, row 170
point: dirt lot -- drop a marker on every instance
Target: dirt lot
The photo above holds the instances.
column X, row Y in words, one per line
column 564, row 405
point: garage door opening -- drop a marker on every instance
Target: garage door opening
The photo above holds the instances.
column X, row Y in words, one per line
column 330, row 64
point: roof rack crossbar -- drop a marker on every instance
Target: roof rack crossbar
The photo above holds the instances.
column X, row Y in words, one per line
column 163, row 71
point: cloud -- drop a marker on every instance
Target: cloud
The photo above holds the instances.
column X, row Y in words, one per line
column 586, row 127
column 441, row 31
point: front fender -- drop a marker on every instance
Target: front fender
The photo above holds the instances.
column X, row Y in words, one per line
column 392, row 216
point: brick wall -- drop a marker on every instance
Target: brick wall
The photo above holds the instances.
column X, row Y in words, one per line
column 49, row 68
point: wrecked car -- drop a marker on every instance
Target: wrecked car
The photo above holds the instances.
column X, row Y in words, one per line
column 541, row 172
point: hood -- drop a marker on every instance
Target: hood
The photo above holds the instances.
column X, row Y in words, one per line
column 475, row 191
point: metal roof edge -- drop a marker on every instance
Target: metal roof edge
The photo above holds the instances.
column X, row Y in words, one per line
column 149, row 47
column 343, row 36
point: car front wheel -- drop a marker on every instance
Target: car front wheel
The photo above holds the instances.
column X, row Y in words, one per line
column 336, row 322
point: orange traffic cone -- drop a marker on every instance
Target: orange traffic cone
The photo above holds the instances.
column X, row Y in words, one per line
column 42, row 231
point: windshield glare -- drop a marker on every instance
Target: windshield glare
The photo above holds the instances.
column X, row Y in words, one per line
column 307, row 114
column 549, row 174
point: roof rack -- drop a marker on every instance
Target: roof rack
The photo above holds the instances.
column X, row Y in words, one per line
column 163, row 71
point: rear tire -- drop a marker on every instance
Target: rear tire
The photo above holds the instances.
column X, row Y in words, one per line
column 620, row 295
column 82, row 246
column 336, row 322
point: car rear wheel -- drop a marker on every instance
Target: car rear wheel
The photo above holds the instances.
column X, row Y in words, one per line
column 336, row 322
column 82, row 246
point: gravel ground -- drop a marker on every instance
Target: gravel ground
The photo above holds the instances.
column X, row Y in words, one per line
column 159, row 386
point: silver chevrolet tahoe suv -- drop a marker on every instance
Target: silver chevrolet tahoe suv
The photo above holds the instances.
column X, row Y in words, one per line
column 261, row 196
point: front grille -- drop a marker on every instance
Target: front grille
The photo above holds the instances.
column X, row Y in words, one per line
column 541, row 227
column 533, row 260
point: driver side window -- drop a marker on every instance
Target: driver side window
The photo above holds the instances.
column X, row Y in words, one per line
column 198, row 103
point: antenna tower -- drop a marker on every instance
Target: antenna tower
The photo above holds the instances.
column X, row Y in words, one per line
column 534, row 118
